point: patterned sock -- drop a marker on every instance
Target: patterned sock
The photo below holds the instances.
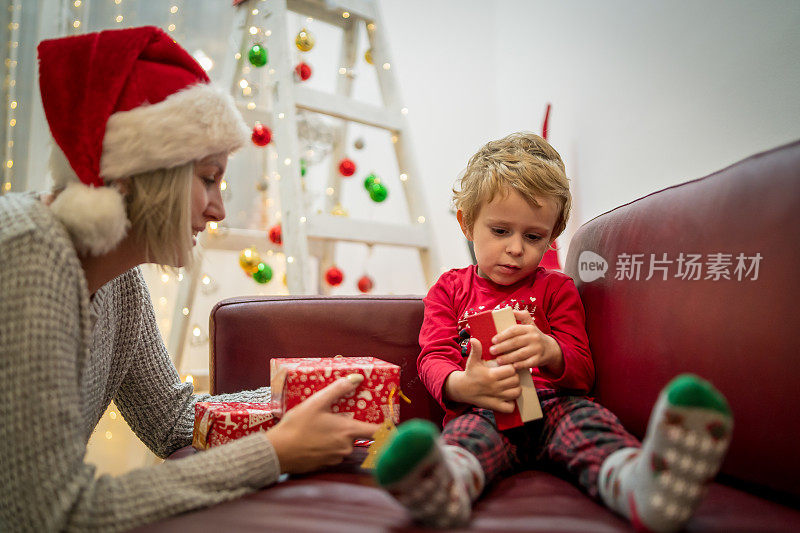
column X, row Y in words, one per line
column 659, row 486
column 437, row 483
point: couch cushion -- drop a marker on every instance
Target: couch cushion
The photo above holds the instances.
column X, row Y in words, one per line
column 742, row 334
column 344, row 498
column 245, row 333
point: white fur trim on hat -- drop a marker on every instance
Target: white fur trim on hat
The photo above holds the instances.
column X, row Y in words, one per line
column 188, row 125
column 94, row 216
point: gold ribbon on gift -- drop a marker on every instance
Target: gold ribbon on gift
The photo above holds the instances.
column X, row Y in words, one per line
column 384, row 432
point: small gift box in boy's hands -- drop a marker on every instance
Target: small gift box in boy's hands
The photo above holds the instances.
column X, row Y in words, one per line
column 485, row 325
column 216, row 423
column 295, row 379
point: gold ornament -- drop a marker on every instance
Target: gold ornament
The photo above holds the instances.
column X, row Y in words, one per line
column 339, row 211
column 384, row 433
column 304, row 40
column 380, row 438
column 368, row 56
column 249, row 260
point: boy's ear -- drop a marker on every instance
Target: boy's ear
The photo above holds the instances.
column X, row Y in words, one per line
column 467, row 233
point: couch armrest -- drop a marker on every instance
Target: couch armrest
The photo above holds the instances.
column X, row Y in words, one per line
column 742, row 333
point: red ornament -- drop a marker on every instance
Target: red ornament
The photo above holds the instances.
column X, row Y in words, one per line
column 303, row 71
column 334, row 276
column 276, row 235
column 261, row 135
column 347, row 167
column 365, row 283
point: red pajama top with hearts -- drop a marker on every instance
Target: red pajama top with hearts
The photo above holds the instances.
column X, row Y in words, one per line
column 549, row 296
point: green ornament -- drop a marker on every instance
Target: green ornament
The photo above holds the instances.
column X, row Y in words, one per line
column 378, row 192
column 372, row 178
column 303, row 167
column 263, row 274
column 257, row 55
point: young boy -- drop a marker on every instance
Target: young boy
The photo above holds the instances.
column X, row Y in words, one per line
column 513, row 201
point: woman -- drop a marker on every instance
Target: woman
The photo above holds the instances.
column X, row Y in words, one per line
column 142, row 142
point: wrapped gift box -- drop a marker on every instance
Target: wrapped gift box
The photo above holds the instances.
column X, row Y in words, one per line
column 295, row 379
column 216, row 423
column 485, row 325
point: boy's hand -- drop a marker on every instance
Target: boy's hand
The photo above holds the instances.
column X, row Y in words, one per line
column 525, row 346
column 479, row 384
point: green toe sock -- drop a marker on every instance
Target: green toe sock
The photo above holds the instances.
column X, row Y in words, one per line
column 661, row 484
column 689, row 390
column 412, row 443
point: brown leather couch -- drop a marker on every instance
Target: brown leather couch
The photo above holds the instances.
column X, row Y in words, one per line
column 742, row 334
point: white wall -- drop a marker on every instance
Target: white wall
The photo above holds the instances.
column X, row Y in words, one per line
column 644, row 94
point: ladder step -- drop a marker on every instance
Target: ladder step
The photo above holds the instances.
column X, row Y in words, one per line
column 323, row 227
column 331, row 12
column 257, row 114
column 329, row 227
column 236, row 239
column 347, row 108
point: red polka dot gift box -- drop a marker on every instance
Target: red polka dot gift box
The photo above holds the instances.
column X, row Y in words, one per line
column 376, row 399
column 216, row 423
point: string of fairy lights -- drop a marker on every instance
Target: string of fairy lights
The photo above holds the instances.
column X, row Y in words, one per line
column 252, row 86
column 10, row 85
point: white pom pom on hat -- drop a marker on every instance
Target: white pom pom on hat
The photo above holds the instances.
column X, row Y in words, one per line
column 94, row 216
column 122, row 102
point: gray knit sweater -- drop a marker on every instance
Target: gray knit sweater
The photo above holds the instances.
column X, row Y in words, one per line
column 63, row 359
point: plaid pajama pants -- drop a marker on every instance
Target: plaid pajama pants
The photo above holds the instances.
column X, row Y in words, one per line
column 574, row 436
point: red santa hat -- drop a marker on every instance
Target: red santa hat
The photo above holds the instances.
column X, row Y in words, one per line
column 122, row 102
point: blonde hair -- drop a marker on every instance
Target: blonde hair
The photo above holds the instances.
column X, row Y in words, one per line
column 159, row 207
column 522, row 161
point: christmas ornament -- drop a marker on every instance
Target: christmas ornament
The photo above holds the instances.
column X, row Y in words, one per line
column 316, row 134
column 347, row 167
column 276, row 235
column 304, row 40
column 257, row 55
column 262, row 135
column 249, row 260
column 339, row 211
column 368, row 56
column 302, row 71
column 303, row 167
column 359, row 144
column 263, row 273
column 379, row 439
column 334, row 276
column 365, row 283
column 384, row 434
column 262, row 185
column 378, row 192
column 369, row 180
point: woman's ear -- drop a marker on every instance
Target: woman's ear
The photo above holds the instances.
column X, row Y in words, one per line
column 466, row 231
column 123, row 185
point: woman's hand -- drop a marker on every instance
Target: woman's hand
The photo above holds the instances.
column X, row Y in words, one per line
column 310, row 436
column 525, row 346
column 483, row 385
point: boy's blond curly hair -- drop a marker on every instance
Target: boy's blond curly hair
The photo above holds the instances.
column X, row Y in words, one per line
column 522, row 161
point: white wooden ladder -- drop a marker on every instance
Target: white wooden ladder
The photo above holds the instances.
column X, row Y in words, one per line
column 306, row 234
